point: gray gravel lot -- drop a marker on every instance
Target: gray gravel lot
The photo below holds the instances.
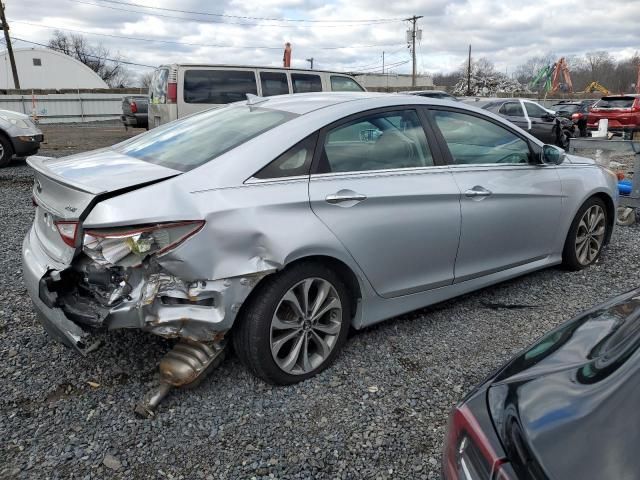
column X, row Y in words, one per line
column 54, row 424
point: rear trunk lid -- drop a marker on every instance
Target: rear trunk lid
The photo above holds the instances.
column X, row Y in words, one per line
column 65, row 190
column 621, row 111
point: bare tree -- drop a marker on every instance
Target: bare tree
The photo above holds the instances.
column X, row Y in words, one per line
column 96, row 57
column 145, row 79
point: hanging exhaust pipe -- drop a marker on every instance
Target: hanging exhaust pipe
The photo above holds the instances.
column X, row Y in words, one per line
column 186, row 365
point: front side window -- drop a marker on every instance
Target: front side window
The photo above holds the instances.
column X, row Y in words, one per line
column 158, row 86
column 511, row 109
column 194, row 140
column 474, row 140
column 273, row 83
column 377, row 142
column 304, row 83
column 534, row 110
column 218, row 86
column 344, row 84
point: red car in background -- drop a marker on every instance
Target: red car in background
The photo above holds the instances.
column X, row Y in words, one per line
column 623, row 112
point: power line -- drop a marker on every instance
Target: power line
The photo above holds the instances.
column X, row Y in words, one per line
column 379, row 67
column 86, row 55
column 200, row 20
column 253, row 47
column 373, row 20
column 377, row 62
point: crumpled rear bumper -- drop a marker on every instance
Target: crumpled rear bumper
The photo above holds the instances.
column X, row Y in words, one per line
column 157, row 302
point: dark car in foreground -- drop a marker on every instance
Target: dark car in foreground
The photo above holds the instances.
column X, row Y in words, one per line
column 439, row 94
column 540, row 122
column 565, row 408
column 622, row 111
column 134, row 111
column 577, row 111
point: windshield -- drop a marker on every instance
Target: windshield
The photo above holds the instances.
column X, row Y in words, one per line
column 190, row 142
column 563, row 107
column 614, row 102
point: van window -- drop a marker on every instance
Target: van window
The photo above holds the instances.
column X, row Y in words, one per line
column 194, row 140
column 218, row 86
column 273, row 83
column 158, row 86
column 344, row 84
column 303, row 83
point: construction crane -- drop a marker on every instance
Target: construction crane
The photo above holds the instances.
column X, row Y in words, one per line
column 593, row 86
column 549, row 77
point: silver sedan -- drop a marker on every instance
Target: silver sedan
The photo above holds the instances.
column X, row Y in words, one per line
column 279, row 223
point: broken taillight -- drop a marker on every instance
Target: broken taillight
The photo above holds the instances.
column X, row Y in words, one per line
column 576, row 116
column 468, row 455
column 134, row 244
column 68, row 231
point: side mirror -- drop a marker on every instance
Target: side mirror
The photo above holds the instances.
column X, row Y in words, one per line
column 553, row 155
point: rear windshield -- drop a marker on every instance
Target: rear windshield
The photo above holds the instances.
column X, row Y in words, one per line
column 344, row 84
column 193, row 141
column 563, row 107
column 218, row 86
column 614, row 102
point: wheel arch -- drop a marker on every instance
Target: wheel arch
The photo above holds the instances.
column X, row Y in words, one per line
column 611, row 212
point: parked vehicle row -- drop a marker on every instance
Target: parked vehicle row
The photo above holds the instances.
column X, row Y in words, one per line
column 276, row 221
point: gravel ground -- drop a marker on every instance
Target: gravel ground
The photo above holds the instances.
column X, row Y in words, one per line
column 379, row 412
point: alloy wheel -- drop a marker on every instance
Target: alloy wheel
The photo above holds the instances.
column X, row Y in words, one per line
column 305, row 326
column 590, row 234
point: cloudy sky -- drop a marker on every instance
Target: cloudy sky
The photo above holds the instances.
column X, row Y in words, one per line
column 346, row 35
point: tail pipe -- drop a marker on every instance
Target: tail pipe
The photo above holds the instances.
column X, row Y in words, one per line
column 186, row 365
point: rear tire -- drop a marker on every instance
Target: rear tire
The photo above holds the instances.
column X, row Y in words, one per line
column 294, row 324
column 586, row 236
column 6, row 151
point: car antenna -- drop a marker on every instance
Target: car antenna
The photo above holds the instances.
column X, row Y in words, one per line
column 254, row 99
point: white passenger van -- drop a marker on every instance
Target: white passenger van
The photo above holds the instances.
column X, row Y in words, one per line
column 179, row 90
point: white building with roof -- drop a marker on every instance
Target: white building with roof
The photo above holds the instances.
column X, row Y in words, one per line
column 43, row 68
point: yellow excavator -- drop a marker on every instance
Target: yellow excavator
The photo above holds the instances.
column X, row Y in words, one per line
column 593, row 86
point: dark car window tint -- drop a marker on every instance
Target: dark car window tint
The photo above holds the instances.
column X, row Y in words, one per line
column 218, row 86
column 534, row 110
column 512, row 109
column 303, row 83
column 295, row 161
column 273, row 83
column 620, row 102
column 474, row 140
column 344, row 84
column 158, row 87
column 377, row 142
column 194, row 140
column 563, row 107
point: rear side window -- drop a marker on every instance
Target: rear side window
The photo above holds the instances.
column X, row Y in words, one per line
column 218, row 86
column 344, row 84
column 614, row 102
column 295, row 161
column 273, row 83
column 474, row 140
column 512, row 109
column 158, row 87
column 303, row 83
column 194, row 140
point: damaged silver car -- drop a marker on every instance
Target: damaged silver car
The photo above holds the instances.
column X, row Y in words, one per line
column 279, row 223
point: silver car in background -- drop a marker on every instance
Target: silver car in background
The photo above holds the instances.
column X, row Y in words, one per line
column 281, row 222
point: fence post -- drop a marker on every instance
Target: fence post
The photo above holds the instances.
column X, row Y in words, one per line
column 81, row 108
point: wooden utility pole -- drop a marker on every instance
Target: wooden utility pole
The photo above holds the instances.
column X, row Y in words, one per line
column 383, row 62
column 5, row 27
column 413, row 21
column 469, row 73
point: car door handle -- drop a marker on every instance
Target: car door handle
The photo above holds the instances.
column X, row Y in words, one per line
column 345, row 196
column 478, row 191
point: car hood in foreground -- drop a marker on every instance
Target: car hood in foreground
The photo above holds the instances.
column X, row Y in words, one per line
column 568, row 406
column 100, row 171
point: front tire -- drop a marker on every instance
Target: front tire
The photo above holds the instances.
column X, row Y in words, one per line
column 6, row 151
column 294, row 325
column 587, row 235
